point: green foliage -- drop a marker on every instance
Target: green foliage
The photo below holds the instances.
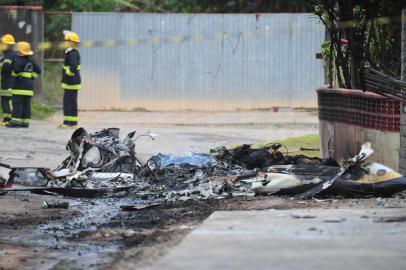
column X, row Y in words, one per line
column 222, row 6
column 81, row 5
column 53, row 93
column 188, row 6
column 20, row 2
column 41, row 111
column 328, row 56
column 326, row 50
column 54, row 24
column 373, row 31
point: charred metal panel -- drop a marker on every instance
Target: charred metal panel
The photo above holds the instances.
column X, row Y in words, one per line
column 199, row 61
column 26, row 23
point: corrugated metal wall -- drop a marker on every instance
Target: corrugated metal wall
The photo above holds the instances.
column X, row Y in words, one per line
column 199, row 61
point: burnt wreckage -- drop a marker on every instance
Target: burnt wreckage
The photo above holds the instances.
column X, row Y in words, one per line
column 101, row 163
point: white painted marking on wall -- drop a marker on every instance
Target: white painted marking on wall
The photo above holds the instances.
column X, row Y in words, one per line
column 28, row 29
column 21, row 24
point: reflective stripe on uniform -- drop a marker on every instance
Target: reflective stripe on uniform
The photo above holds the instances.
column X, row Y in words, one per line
column 5, row 93
column 17, row 120
column 34, row 75
column 70, row 118
column 5, row 61
column 78, row 68
column 6, row 115
column 70, row 86
column 22, row 92
column 26, row 120
column 68, row 71
column 28, row 75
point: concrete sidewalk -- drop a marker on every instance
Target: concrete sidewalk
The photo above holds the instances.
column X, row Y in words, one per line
column 242, row 118
column 294, row 239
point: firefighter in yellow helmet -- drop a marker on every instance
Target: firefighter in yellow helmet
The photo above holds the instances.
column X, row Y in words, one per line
column 24, row 71
column 71, row 80
column 6, row 43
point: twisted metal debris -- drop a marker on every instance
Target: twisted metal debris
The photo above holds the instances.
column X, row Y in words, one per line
column 101, row 163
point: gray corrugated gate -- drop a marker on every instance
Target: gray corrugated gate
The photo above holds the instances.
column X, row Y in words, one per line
column 199, row 61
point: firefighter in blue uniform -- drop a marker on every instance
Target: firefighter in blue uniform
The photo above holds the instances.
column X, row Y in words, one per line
column 24, row 70
column 71, row 81
column 7, row 41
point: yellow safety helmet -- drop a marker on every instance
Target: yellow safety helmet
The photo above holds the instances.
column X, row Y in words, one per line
column 8, row 39
column 71, row 36
column 24, row 48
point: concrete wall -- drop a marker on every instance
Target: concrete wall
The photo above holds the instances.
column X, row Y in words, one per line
column 346, row 140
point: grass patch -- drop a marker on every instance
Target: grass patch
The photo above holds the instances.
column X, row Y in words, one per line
column 53, row 92
column 302, row 109
column 113, row 109
column 39, row 111
column 294, row 144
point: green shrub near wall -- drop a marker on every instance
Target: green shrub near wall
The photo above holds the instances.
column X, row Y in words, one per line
column 52, row 79
column 39, row 111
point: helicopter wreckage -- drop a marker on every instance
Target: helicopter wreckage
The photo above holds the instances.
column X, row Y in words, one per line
column 101, row 163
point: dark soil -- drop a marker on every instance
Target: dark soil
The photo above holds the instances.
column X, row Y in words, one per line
column 97, row 234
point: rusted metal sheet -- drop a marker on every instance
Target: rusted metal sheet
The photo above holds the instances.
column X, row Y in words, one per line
column 25, row 23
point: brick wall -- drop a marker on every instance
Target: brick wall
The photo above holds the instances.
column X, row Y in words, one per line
column 348, row 118
column 363, row 109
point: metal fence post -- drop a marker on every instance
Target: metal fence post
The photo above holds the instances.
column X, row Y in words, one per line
column 402, row 150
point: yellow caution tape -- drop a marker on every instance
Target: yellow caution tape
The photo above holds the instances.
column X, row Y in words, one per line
column 177, row 39
column 132, row 42
column 88, row 43
column 181, row 38
column 155, row 40
column 44, row 45
column 142, row 41
column 198, row 37
column 109, row 43
column 222, row 35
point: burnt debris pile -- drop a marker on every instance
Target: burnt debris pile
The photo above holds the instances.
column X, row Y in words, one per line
column 101, row 163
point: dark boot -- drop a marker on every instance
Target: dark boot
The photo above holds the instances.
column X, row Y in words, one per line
column 13, row 125
column 25, row 125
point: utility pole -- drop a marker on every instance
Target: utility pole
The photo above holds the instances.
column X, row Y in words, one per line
column 402, row 150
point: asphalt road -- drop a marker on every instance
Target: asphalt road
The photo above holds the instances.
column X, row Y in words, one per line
column 178, row 132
